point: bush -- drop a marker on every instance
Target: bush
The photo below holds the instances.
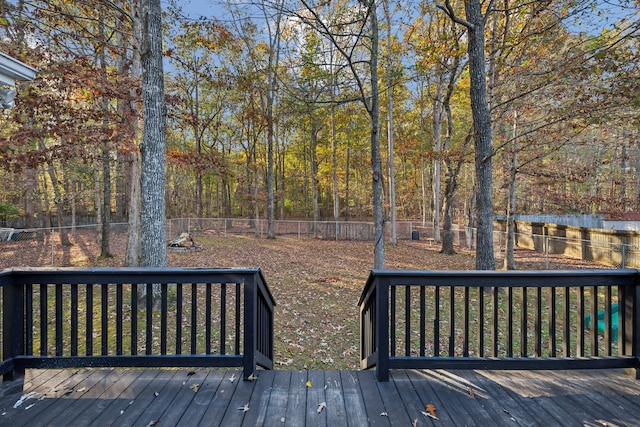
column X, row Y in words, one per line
column 8, row 211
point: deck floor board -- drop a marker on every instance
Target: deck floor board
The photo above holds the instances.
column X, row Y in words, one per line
column 143, row 397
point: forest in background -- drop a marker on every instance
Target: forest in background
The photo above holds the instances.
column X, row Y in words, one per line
column 259, row 98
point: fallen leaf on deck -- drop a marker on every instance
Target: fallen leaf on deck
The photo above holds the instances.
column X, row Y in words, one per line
column 431, row 409
column 252, row 377
column 321, row 407
column 194, row 387
column 233, row 378
column 384, row 414
column 309, row 383
column 156, row 394
column 470, row 392
column 244, row 408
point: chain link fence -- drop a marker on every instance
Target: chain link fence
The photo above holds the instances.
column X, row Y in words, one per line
column 79, row 245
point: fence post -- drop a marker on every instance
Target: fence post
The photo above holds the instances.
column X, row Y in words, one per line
column 546, row 250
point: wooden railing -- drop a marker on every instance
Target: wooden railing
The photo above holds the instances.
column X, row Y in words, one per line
column 500, row 320
column 54, row 318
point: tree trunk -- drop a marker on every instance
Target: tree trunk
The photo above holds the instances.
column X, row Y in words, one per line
column 437, row 115
column 447, row 235
column 392, row 180
column 154, row 249
column 30, row 194
column 97, row 200
column 334, row 167
column 198, row 140
column 509, row 260
column 106, row 167
column 483, row 135
column 134, row 252
column 58, row 200
column 376, row 162
column 313, row 142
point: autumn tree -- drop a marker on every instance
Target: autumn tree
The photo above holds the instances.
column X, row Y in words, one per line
column 358, row 46
column 475, row 21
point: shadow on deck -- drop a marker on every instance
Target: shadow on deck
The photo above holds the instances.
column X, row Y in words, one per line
column 146, row 397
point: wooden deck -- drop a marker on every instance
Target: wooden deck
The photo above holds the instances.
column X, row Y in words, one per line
column 146, row 397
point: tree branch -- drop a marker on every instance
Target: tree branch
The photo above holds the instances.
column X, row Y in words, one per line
column 448, row 10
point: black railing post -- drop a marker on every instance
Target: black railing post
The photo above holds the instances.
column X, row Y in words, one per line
column 250, row 326
column 13, row 329
column 382, row 327
column 631, row 327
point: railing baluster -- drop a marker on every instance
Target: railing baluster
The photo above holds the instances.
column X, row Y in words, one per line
column 164, row 322
column 509, row 321
column 149, row 320
column 179, row 318
column 89, row 328
column 466, row 322
column 223, row 318
column 524, row 316
column 480, row 321
column 581, row 331
column 538, row 325
column 452, row 321
column 194, row 318
column 552, row 322
column 134, row 319
column 207, row 309
column 105, row 319
column 594, row 321
column 119, row 315
column 392, row 321
column 436, row 321
column 607, row 321
column 44, row 321
column 28, row 295
column 622, row 319
column 496, row 308
column 74, row 320
column 59, row 314
column 238, row 331
column 407, row 320
column 422, row 321
column 567, row 323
